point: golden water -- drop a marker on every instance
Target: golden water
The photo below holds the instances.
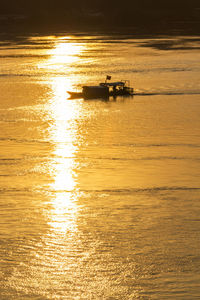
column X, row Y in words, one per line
column 99, row 199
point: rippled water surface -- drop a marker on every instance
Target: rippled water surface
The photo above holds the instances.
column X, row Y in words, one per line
column 100, row 199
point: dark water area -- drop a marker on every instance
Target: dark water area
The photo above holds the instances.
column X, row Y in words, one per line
column 136, row 18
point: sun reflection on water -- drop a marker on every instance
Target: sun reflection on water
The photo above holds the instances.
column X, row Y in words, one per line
column 64, row 135
column 63, row 132
column 62, row 55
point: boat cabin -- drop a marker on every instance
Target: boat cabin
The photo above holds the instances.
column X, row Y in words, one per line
column 95, row 91
column 118, row 88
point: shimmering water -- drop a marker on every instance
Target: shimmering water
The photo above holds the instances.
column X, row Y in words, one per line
column 100, row 199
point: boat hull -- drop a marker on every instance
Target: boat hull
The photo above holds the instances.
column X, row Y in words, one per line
column 78, row 95
column 75, row 95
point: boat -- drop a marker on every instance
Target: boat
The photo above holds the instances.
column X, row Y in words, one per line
column 104, row 90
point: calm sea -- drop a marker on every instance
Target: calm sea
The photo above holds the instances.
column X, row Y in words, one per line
column 100, row 199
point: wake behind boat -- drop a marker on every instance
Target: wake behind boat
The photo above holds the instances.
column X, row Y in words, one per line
column 104, row 90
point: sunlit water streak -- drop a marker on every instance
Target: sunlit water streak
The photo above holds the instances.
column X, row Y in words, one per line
column 63, row 132
column 100, row 200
